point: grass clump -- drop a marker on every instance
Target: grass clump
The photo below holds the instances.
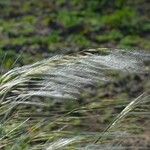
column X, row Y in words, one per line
column 64, row 102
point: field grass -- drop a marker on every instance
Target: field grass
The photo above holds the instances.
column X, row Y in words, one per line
column 104, row 115
column 82, row 101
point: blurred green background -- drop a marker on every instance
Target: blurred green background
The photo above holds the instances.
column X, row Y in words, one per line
column 34, row 29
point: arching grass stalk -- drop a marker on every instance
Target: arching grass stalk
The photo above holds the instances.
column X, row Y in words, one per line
column 141, row 98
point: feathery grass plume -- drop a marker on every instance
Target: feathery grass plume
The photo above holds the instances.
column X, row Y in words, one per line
column 41, row 103
column 62, row 76
column 61, row 143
